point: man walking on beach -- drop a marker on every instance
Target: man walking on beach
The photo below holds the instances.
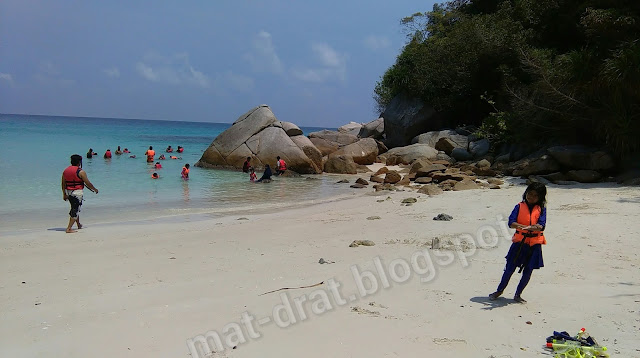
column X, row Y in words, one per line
column 73, row 181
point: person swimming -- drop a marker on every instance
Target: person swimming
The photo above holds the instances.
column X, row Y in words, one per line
column 180, row 149
column 126, row 150
column 155, row 176
column 169, row 149
column 158, row 165
column 118, row 151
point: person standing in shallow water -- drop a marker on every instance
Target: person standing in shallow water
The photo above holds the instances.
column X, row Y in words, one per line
column 529, row 218
column 74, row 180
column 185, row 172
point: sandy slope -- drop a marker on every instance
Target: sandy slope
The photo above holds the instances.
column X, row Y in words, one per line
column 143, row 290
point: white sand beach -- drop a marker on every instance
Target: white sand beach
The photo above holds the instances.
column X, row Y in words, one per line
column 144, row 289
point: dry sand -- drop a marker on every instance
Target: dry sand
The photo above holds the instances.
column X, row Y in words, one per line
column 143, row 290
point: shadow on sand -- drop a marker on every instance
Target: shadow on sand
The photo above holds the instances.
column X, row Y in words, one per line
column 57, row 229
column 489, row 305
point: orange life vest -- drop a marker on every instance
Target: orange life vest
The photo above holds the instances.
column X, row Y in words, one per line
column 529, row 218
column 282, row 165
column 185, row 172
column 150, row 153
column 72, row 178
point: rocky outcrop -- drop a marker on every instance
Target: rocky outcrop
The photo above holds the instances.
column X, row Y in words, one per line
column 341, row 164
column 373, row 129
column 363, row 151
column 352, row 128
column 258, row 134
column 408, row 154
column 581, row 157
column 406, row 117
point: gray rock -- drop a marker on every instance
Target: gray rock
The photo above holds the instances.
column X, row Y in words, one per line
column 581, row 157
column 291, row 129
column 259, row 135
column 410, row 153
column 341, row 165
column 406, row 117
column 363, row 151
column 358, row 186
column 584, row 176
column 460, row 154
column 362, row 181
column 357, row 243
column 544, row 164
column 352, row 128
column 373, row 129
column 409, row 200
column 342, row 181
column 443, row 217
column 374, row 217
column 430, row 189
column 479, row 148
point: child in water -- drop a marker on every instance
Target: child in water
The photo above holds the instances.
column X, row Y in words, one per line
column 158, row 165
column 529, row 218
column 252, row 175
column 185, row 172
column 155, row 176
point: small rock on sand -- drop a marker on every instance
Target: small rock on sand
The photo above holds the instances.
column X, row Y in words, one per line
column 443, row 217
column 357, row 243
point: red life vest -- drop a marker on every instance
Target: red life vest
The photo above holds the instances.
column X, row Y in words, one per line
column 72, row 178
column 282, row 165
column 180, row 150
column 529, row 218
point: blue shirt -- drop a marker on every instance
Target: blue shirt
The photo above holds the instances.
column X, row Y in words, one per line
column 542, row 220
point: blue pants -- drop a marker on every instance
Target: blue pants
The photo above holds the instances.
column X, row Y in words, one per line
column 508, row 271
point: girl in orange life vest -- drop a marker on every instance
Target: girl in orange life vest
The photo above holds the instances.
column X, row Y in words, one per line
column 150, row 153
column 185, row 172
column 529, row 218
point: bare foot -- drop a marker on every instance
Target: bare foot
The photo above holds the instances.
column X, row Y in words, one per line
column 70, row 231
column 79, row 226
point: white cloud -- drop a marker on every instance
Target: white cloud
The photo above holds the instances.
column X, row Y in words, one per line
column 333, row 65
column 6, row 77
column 263, row 57
column 175, row 70
column 49, row 74
column 377, row 42
column 112, row 72
column 237, row 82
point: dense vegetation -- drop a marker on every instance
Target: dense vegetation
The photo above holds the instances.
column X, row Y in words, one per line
column 539, row 70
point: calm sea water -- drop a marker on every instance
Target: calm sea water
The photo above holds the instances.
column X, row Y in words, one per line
column 36, row 149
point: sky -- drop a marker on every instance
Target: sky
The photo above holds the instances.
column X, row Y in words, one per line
column 315, row 63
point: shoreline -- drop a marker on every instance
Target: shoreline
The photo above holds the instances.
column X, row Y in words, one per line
column 159, row 285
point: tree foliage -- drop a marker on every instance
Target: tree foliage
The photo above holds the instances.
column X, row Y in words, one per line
column 563, row 69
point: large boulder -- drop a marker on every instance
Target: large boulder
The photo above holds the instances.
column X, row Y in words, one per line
column 536, row 164
column 352, row 128
column 373, row 129
column 324, row 146
column 339, row 138
column 406, row 117
column 581, row 157
column 291, row 129
column 410, row 153
column 363, row 151
column 432, row 138
column 341, row 164
column 479, row 148
column 259, row 135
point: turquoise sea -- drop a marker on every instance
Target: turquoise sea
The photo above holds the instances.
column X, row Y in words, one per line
column 36, row 149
